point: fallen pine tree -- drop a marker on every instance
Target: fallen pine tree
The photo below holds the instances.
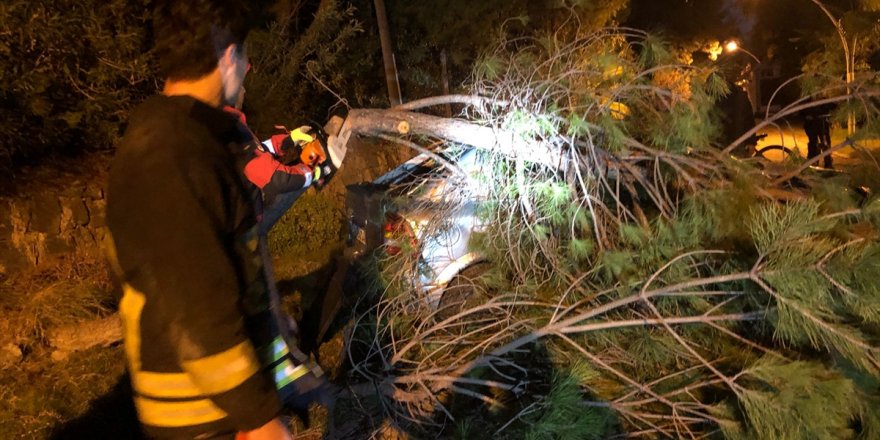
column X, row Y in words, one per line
column 645, row 282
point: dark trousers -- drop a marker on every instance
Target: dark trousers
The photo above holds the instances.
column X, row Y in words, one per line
column 274, row 211
column 815, row 149
column 819, row 134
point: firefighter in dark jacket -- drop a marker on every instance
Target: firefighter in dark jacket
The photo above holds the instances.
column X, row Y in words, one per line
column 206, row 353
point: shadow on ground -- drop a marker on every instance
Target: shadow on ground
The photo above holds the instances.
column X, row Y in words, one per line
column 111, row 416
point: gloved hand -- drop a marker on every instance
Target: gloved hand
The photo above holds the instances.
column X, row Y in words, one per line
column 324, row 171
column 301, row 135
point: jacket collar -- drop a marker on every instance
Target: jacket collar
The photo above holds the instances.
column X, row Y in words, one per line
column 220, row 124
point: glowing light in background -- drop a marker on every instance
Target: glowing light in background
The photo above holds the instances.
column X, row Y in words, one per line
column 731, row 46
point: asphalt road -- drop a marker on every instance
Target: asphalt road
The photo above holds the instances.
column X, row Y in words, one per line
column 792, row 136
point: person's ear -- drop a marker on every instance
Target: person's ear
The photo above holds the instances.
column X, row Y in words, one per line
column 227, row 60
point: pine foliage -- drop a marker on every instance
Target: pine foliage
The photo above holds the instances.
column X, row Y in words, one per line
column 679, row 291
column 564, row 416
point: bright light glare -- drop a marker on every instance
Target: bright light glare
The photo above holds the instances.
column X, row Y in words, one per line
column 731, row 46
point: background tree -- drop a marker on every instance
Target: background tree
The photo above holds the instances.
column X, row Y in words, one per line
column 69, row 72
column 299, row 59
column 857, row 28
column 388, row 58
column 466, row 29
column 799, row 37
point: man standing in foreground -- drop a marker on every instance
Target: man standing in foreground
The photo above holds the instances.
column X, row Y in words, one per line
column 194, row 308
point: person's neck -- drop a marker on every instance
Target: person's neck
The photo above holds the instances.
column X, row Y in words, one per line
column 208, row 89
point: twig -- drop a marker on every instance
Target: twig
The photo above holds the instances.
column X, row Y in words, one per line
column 700, row 319
column 445, row 163
column 809, row 162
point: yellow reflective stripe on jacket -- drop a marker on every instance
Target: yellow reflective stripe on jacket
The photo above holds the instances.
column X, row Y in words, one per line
column 223, row 371
column 165, row 385
column 130, row 308
column 177, row 414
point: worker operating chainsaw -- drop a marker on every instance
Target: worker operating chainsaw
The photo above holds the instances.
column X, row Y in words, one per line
column 281, row 168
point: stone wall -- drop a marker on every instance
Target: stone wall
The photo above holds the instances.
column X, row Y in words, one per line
column 50, row 213
column 57, row 210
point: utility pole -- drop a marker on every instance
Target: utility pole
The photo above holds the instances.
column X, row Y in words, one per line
column 447, row 108
column 387, row 54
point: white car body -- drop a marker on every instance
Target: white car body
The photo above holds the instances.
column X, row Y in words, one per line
column 442, row 243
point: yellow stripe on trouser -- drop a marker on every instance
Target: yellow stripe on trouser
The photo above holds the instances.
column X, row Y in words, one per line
column 176, row 414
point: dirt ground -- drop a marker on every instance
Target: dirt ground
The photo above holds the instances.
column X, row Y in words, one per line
column 86, row 394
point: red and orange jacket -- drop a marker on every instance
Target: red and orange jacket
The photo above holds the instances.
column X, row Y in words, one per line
column 263, row 168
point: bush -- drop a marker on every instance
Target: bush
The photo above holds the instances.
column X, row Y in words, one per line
column 69, row 72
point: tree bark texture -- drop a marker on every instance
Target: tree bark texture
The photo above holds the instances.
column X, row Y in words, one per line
column 373, row 122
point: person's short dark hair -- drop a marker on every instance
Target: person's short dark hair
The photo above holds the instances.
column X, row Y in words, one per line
column 191, row 35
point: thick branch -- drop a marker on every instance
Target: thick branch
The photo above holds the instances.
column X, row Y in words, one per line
column 100, row 332
column 661, row 321
column 372, row 122
column 448, row 99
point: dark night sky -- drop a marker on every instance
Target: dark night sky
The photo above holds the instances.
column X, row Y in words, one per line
column 787, row 30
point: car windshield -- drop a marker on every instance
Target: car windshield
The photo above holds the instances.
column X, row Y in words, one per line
column 422, row 174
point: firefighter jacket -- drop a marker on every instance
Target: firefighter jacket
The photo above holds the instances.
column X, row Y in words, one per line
column 198, row 333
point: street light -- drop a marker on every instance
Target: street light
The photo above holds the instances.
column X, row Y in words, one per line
column 754, row 89
column 732, row 46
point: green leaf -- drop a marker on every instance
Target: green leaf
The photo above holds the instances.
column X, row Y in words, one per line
column 577, row 125
column 580, row 249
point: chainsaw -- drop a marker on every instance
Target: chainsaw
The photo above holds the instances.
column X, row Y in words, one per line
column 324, row 151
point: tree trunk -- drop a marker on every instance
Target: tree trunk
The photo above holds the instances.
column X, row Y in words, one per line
column 387, row 54
column 373, row 122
